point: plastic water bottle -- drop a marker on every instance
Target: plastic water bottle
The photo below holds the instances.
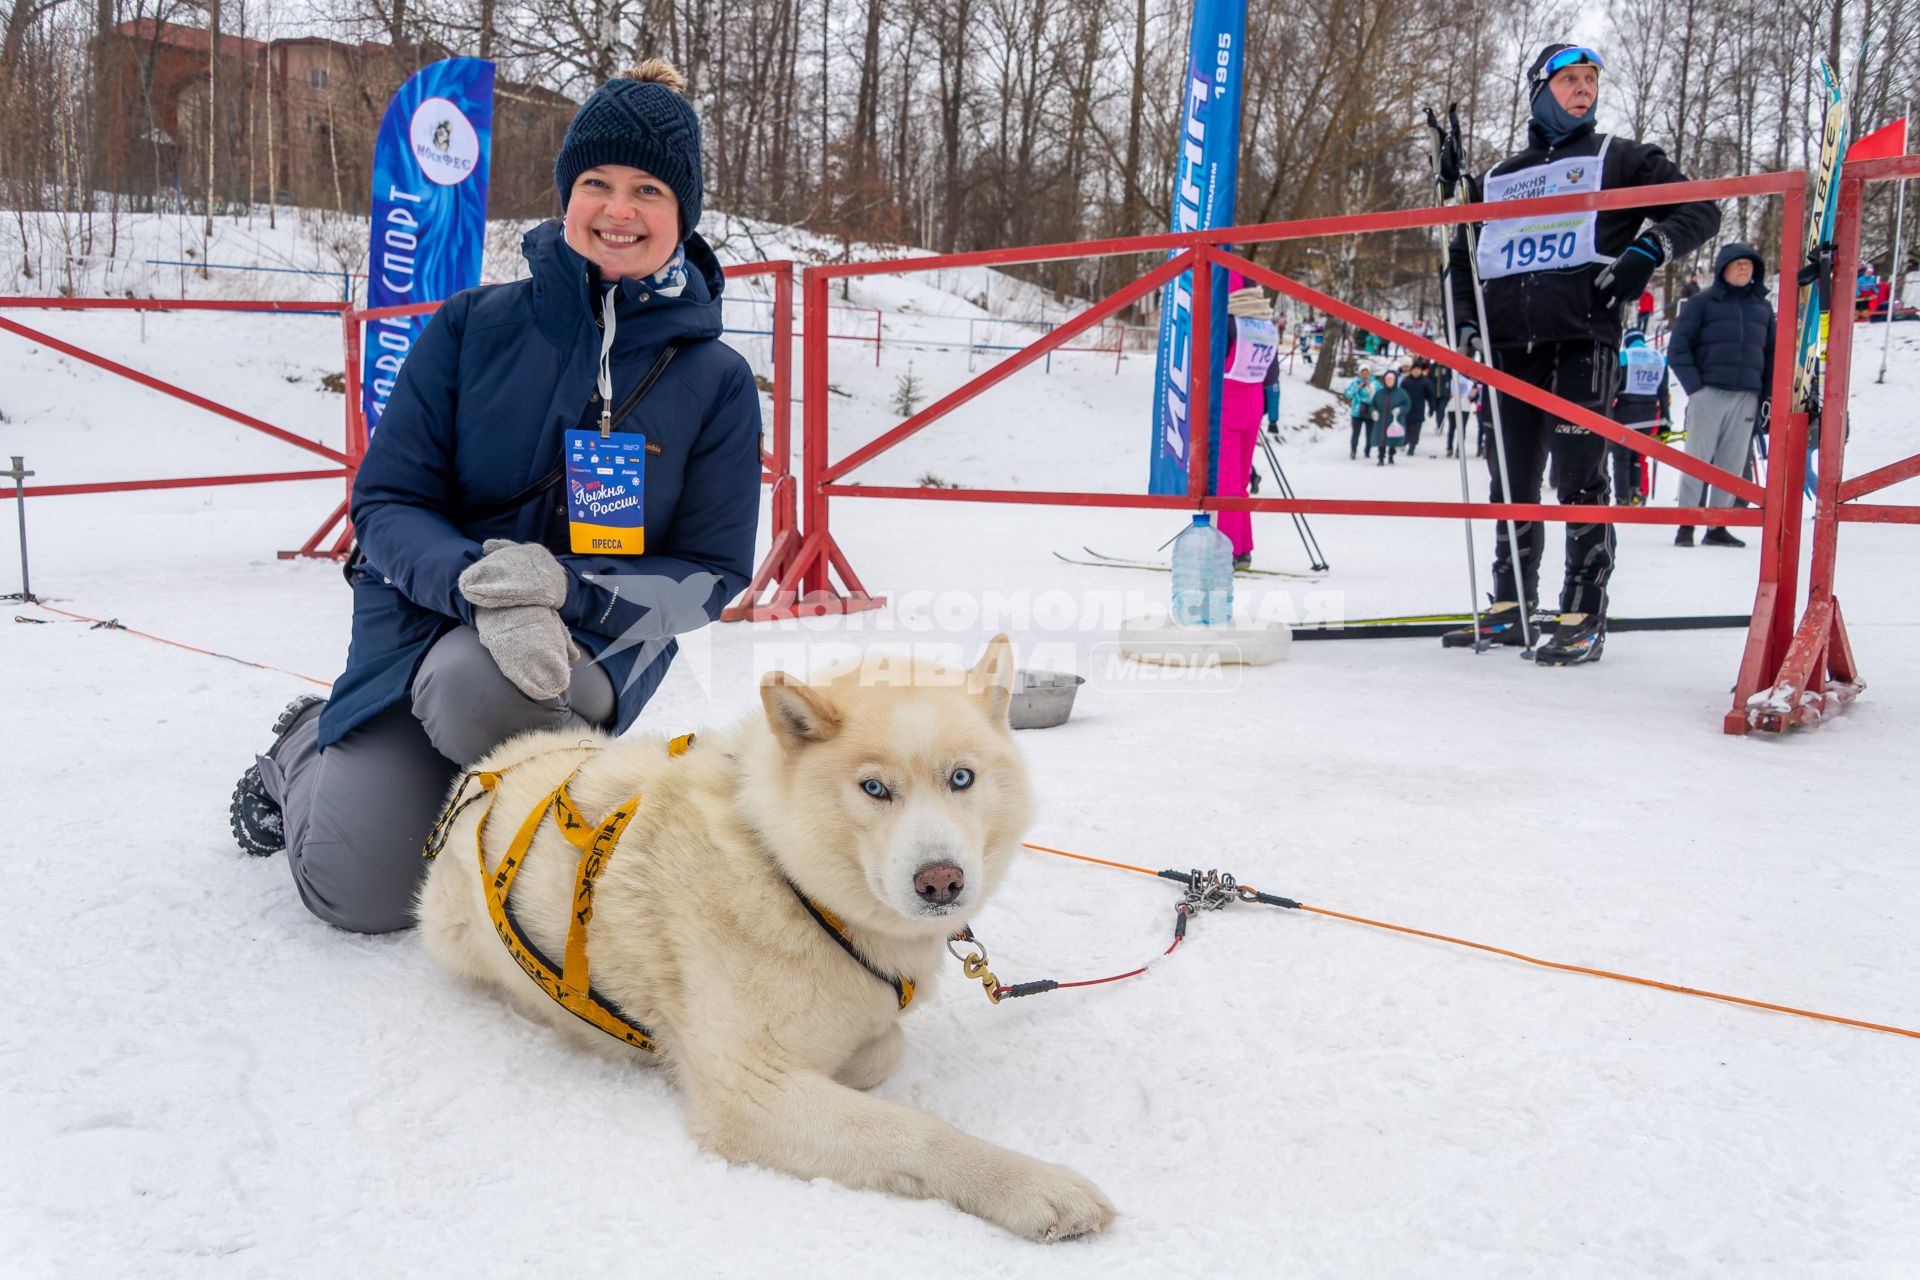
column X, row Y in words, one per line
column 1202, row 575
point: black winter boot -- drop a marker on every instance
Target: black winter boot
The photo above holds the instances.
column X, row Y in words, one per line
column 1719, row 537
column 1684, row 536
column 252, row 815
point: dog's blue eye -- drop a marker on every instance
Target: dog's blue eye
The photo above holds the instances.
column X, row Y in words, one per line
column 961, row 779
column 876, row 788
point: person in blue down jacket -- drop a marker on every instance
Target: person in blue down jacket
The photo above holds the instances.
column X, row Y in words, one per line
column 474, row 619
column 1721, row 350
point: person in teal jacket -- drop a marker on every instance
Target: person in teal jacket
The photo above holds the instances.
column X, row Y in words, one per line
column 1359, row 396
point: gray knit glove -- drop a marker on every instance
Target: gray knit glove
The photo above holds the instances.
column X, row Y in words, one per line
column 514, row 573
column 530, row 645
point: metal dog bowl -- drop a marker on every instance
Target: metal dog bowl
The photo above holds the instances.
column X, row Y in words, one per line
column 1043, row 699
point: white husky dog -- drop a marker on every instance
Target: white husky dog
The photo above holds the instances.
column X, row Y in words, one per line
column 766, row 912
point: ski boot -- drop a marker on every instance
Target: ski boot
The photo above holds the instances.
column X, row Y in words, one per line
column 1499, row 624
column 252, row 815
column 1580, row 638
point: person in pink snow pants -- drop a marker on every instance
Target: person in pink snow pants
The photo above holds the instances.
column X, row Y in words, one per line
column 1249, row 394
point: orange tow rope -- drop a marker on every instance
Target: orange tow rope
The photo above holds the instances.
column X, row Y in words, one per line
column 1515, row 955
column 114, row 624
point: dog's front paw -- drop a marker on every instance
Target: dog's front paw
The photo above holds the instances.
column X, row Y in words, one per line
column 1050, row 1202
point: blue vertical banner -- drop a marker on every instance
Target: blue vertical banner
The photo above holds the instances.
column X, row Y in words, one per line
column 430, row 167
column 1203, row 197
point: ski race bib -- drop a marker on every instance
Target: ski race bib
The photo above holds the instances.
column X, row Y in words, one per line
column 1256, row 344
column 1645, row 368
column 1552, row 242
column 606, row 508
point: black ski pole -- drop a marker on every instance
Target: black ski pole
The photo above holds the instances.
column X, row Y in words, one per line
column 1316, row 558
column 1471, row 236
column 1445, row 173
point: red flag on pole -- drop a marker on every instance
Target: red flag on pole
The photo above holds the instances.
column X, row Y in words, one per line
column 1881, row 144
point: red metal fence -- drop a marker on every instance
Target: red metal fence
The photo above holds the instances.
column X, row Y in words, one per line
column 1789, row 673
column 1779, row 670
column 345, row 462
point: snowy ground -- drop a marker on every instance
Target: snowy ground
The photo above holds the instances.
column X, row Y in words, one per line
column 196, row 1078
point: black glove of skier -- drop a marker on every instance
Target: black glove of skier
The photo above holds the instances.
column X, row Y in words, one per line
column 1626, row 278
column 1466, row 340
column 1447, row 159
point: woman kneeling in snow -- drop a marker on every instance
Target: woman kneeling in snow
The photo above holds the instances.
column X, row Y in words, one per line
column 494, row 592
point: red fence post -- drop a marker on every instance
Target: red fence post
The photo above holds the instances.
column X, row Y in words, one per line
column 1199, row 374
column 1776, row 593
column 783, row 369
column 813, row 449
column 1815, row 674
column 784, row 533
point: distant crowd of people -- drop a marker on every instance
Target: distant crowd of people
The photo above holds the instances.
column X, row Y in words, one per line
column 1389, row 413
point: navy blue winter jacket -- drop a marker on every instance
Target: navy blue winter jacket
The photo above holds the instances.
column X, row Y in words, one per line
column 1724, row 336
column 477, row 416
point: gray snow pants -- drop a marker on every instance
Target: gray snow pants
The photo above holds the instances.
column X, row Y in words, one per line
column 357, row 816
column 1719, row 431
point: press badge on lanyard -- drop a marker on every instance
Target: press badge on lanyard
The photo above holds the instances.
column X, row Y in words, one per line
column 606, row 470
column 1552, row 242
column 606, row 492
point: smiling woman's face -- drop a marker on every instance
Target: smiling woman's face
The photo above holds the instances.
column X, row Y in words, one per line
column 623, row 220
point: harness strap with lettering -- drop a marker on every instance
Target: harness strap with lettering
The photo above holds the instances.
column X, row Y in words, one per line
column 570, row 986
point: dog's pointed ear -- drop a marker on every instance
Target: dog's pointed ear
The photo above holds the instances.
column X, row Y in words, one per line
column 799, row 713
column 992, row 678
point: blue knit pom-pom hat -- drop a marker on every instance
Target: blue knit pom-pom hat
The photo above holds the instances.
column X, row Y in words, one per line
column 638, row 119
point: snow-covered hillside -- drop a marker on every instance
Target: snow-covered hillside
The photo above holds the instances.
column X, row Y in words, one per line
column 197, row 1078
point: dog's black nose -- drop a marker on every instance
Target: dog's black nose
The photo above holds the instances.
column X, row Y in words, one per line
column 939, row 883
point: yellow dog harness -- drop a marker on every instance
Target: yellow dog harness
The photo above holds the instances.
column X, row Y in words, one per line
column 569, row 985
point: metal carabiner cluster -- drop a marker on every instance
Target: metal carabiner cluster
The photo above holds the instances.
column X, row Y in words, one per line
column 1211, row 890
